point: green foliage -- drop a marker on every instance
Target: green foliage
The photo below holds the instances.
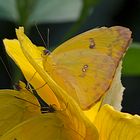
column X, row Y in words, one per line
column 8, row 10
column 131, row 62
column 55, row 11
column 28, row 12
column 25, row 9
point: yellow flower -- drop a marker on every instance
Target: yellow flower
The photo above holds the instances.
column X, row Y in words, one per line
column 68, row 121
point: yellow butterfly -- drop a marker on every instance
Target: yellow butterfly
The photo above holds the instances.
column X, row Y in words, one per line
column 85, row 65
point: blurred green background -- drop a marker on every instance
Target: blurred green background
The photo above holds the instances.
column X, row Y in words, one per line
column 66, row 18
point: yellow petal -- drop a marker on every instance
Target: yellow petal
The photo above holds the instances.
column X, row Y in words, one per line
column 14, row 51
column 16, row 107
column 70, row 107
column 114, row 125
column 51, row 126
column 92, row 112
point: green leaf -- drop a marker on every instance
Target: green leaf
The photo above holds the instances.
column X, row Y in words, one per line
column 25, row 9
column 56, row 11
column 8, row 10
column 131, row 62
column 28, row 12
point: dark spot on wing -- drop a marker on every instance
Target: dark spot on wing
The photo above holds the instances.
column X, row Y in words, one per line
column 92, row 43
column 83, row 70
column 85, row 67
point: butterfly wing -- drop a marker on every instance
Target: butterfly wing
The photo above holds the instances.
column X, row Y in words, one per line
column 85, row 65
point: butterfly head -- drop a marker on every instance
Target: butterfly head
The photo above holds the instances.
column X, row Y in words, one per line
column 46, row 52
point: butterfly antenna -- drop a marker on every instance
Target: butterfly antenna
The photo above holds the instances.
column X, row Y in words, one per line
column 48, row 38
column 40, row 36
column 6, row 68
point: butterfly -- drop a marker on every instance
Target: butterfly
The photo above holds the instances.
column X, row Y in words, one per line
column 85, row 65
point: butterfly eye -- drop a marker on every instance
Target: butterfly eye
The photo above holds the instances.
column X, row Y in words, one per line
column 92, row 43
column 46, row 52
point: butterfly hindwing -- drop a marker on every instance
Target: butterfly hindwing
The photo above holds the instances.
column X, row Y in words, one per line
column 85, row 65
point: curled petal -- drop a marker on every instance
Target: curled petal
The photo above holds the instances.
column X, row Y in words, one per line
column 51, row 126
column 16, row 107
column 14, row 51
column 114, row 125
